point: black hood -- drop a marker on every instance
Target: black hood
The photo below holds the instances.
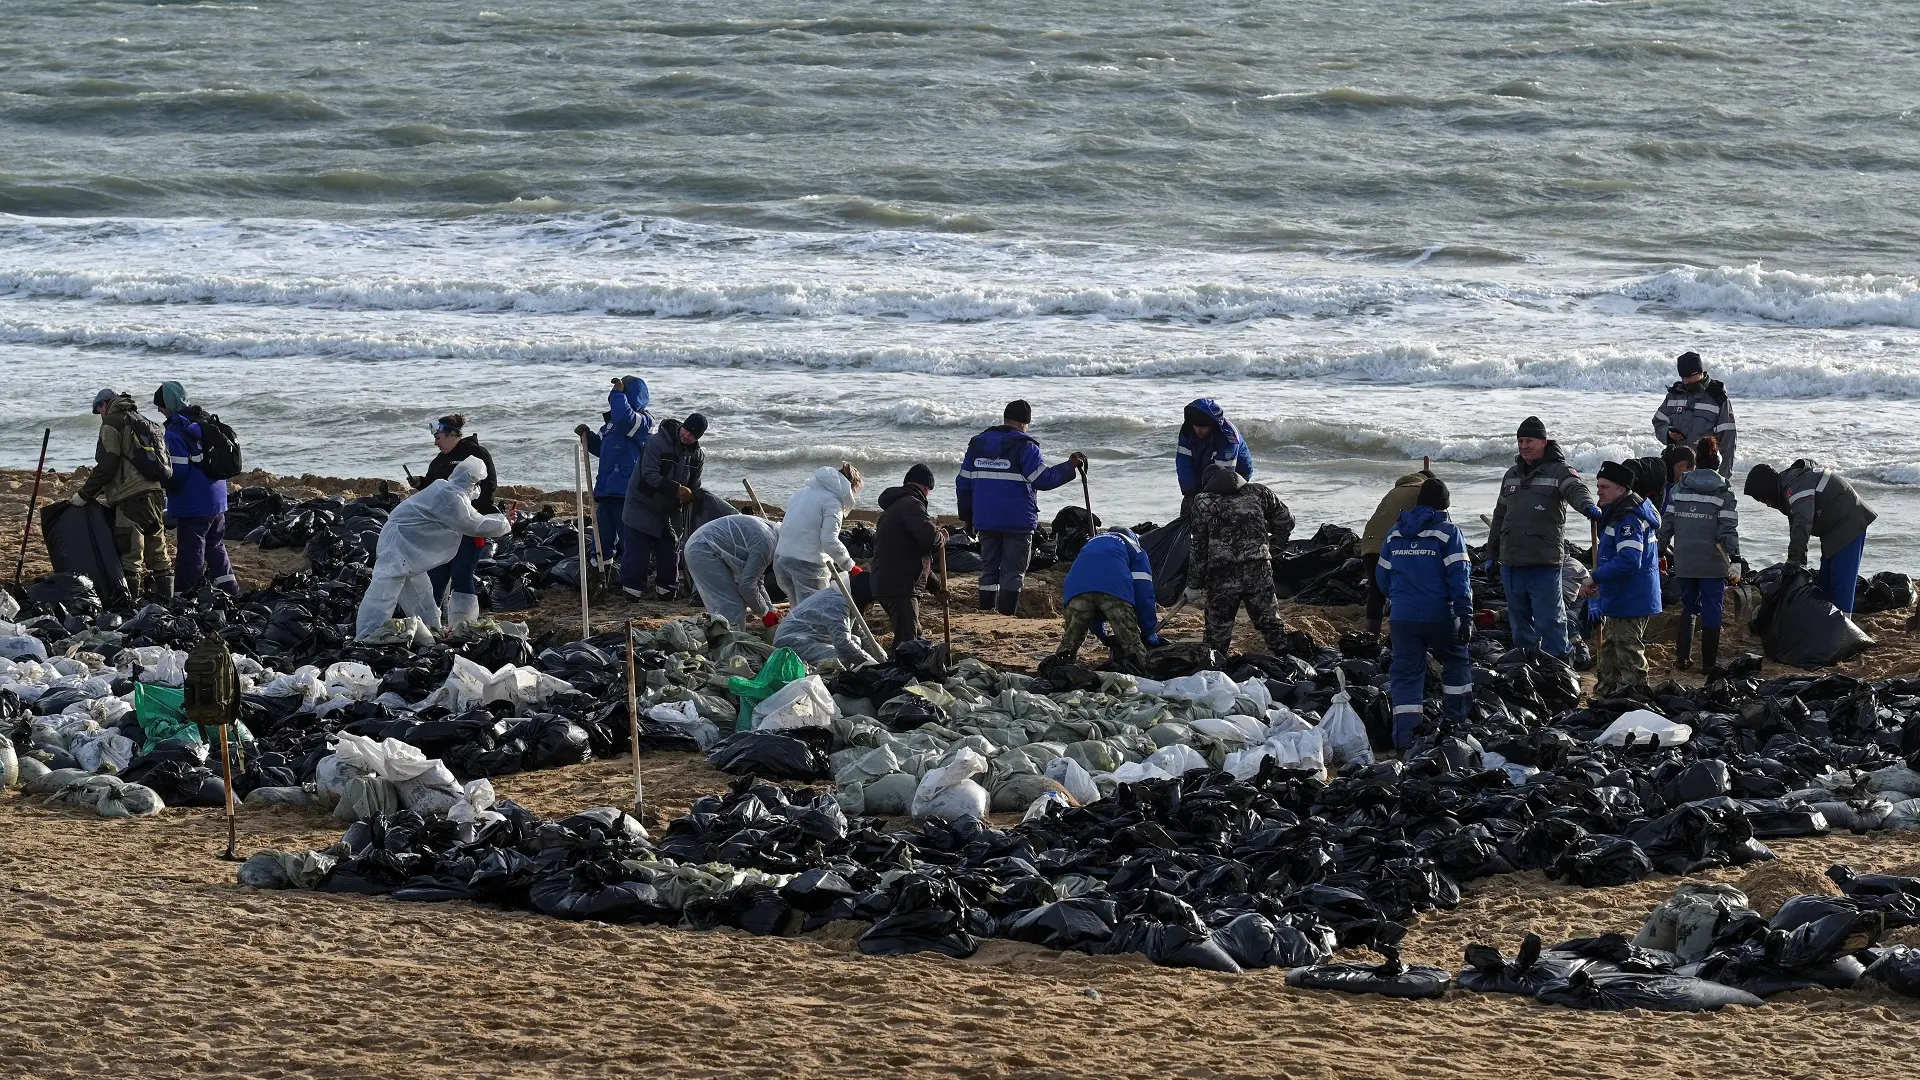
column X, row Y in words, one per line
column 902, row 491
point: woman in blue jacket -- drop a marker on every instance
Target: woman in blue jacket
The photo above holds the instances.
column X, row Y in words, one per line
column 196, row 502
column 1425, row 574
column 625, row 428
column 1626, row 574
column 1206, row 438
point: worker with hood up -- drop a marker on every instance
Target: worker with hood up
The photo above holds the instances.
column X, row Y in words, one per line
column 1701, row 527
column 1402, row 497
column 196, row 502
column 1818, row 502
column 810, row 546
column 131, row 466
column 625, row 427
column 654, row 513
column 453, row 580
column 421, row 535
column 1424, row 571
column 1109, row 591
column 904, row 543
column 821, row 628
column 1207, row 438
column 1237, row 526
column 728, row 559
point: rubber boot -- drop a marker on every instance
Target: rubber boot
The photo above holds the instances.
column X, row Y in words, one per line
column 986, row 598
column 160, row 586
column 462, row 608
column 1683, row 643
column 1008, row 601
column 1373, row 628
column 1710, row 652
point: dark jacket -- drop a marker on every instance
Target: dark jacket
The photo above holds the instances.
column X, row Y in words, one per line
column 191, row 493
column 1626, row 565
column 1404, row 496
column 902, row 542
column 441, row 468
column 1530, row 518
column 1695, row 411
column 617, row 444
column 1701, row 525
column 1820, row 502
column 1114, row 563
column 665, row 466
column 1225, row 448
column 114, row 478
column 997, row 480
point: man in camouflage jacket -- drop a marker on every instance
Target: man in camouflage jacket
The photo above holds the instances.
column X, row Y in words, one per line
column 1236, row 528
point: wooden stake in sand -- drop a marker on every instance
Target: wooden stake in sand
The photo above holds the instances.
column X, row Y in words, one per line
column 633, row 720
column 756, row 499
column 946, row 606
column 33, row 503
column 580, row 526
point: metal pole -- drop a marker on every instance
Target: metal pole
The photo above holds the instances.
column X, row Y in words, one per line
column 226, row 766
column 580, row 525
column 633, row 720
column 33, row 503
column 946, row 606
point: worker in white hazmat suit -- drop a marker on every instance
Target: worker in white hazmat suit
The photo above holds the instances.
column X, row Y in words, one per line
column 728, row 559
column 422, row 533
column 820, row 628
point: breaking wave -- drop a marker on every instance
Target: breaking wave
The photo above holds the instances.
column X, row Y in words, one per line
column 1786, row 297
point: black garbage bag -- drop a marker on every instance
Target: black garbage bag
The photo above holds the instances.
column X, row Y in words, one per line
column 1081, row 923
column 1175, row 661
column 1689, row 839
column 1391, row 978
column 963, row 553
column 513, row 590
column 1255, row 942
column 758, row 909
column 770, row 755
column 1618, row 990
column 496, row 650
column 593, row 890
column 1898, row 969
column 858, row 539
column 553, row 742
column 1703, row 779
column 179, row 783
column 71, row 593
column 1488, row 972
column 816, row 889
column 925, row 930
column 1601, row 861
column 1071, row 529
column 564, row 574
column 1168, row 549
column 1798, row 625
column 1170, row 944
column 79, row 542
column 1888, row 590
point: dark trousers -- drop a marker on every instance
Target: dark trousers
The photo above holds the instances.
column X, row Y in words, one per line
column 459, row 572
column 1412, row 642
column 904, row 613
column 606, row 523
column 1705, row 597
column 201, row 549
column 1376, row 600
column 1004, row 557
column 641, row 553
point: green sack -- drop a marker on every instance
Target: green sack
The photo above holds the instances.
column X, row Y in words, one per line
column 162, row 713
column 783, row 667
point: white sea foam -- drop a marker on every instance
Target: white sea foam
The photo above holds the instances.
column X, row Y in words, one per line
column 1786, row 297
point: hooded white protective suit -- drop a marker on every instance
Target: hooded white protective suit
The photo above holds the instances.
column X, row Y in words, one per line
column 821, row 628
column 420, row 534
column 810, row 535
column 728, row 559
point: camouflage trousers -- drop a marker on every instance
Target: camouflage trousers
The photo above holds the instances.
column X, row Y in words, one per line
column 1254, row 591
column 1124, row 639
column 1622, row 661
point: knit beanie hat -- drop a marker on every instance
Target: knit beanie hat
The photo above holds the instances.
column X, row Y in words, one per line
column 1434, row 494
column 1690, row 364
column 1618, row 473
column 1017, row 412
column 1531, row 428
column 695, row 423
column 920, row 475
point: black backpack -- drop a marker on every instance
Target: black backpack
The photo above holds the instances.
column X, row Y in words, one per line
column 219, row 449
column 146, row 448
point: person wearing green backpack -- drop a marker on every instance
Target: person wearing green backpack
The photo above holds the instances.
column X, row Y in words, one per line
column 129, row 477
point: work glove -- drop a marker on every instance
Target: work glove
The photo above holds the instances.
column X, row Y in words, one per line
column 582, row 430
column 1491, row 567
column 1192, row 596
column 1462, row 629
column 416, row 482
column 78, row 500
column 684, row 494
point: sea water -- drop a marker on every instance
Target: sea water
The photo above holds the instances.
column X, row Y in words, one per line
column 1374, row 231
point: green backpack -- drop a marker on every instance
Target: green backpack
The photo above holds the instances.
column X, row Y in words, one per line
column 212, row 691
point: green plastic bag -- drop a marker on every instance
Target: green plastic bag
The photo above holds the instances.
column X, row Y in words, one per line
column 783, row 667
column 162, row 713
